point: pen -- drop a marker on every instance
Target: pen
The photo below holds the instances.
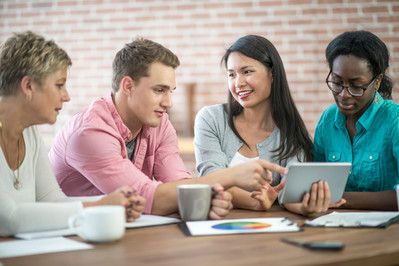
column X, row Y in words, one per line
column 316, row 245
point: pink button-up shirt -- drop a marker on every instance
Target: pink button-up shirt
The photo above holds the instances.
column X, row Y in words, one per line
column 89, row 155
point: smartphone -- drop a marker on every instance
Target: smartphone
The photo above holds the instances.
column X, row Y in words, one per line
column 316, row 245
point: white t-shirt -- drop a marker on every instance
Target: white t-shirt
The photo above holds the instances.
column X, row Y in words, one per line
column 33, row 207
column 238, row 158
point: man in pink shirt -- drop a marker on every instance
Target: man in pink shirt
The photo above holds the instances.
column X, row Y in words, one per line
column 126, row 138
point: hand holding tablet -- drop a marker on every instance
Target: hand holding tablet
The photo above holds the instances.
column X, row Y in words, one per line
column 301, row 176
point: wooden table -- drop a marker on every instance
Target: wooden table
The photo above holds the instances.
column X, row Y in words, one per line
column 167, row 245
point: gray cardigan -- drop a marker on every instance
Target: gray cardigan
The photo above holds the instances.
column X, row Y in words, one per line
column 216, row 144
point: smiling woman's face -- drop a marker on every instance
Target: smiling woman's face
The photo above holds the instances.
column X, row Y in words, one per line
column 351, row 70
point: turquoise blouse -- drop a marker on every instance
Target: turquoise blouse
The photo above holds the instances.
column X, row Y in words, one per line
column 374, row 152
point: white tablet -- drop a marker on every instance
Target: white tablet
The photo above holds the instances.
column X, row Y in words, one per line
column 301, row 176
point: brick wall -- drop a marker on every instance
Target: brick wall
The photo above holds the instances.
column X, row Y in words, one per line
column 199, row 31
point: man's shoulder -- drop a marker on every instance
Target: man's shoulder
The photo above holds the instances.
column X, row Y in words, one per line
column 97, row 114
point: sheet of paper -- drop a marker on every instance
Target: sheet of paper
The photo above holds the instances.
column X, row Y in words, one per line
column 16, row 248
column 242, row 226
column 151, row 220
column 143, row 221
column 46, row 234
column 354, row 219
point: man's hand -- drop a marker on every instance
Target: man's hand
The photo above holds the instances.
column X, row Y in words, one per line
column 220, row 204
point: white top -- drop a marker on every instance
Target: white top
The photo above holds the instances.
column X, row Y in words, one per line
column 238, row 158
column 32, row 207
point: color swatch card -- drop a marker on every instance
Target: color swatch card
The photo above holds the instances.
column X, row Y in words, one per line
column 242, row 226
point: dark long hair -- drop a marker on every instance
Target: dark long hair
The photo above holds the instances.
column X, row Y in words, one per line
column 367, row 46
column 293, row 134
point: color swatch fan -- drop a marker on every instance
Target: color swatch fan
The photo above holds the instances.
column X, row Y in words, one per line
column 242, row 226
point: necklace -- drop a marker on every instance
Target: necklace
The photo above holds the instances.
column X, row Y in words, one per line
column 17, row 181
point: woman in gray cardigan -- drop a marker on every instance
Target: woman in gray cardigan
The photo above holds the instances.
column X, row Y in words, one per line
column 260, row 121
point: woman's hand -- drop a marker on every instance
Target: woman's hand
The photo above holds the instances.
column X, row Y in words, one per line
column 267, row 196
column 221, row 203
column 126, row 197
column 317, row 202
column 254, row 175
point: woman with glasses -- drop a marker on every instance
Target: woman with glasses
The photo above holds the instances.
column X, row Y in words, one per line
column 363, row 126
column 260, row 121
column 33, row 75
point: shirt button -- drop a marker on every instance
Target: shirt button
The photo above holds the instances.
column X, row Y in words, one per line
column 371, row 157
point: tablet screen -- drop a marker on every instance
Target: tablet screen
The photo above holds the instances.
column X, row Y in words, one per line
column 301, row 176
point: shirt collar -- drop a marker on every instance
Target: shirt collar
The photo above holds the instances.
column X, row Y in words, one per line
column 122, row 128
column 367, row 117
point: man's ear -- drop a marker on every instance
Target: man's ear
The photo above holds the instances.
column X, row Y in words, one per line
column 127, row 85
column 26, row 86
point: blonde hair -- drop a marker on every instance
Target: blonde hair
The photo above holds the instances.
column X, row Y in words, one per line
column 28, row 54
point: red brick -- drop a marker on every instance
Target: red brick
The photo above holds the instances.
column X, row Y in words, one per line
column 375, row 9
column 285, row 12
column 55, row 13
column 67, row 3
column 330, row 1
column 389, row 19
column 213, row 5
column 103, row 11
column 299, row 2
column 186, row 7
column 30, row 14
column 315, row 11
column 42, row 4
column 268, row 3
column 295, row 22
column 92, row 2
column 344, row 10
column 258, row 13
column 172, row 17
column 15, row 5
column 240, row 5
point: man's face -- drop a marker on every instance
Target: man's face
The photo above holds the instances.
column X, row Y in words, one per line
column 151, row 96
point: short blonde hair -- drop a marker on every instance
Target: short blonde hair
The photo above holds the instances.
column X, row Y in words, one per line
column 28, row 54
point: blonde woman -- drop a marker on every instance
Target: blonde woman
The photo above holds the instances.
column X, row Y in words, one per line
column 33, row 74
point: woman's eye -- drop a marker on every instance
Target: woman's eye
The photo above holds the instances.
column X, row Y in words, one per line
column 248, row 71
column 230, row 75
column 60, row 86
column 355, row 86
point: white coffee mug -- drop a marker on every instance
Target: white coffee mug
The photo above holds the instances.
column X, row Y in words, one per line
column 100, row 223
column 194, row 201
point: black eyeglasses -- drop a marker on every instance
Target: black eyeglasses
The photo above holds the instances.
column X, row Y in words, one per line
column 354, row 90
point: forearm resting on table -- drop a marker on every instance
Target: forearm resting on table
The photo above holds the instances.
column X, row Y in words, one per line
column 165, row 198
column 382, row 200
